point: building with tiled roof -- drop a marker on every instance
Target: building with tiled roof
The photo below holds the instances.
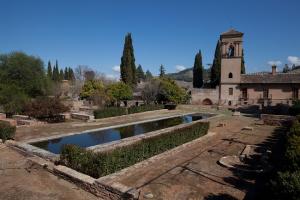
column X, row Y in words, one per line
column 267, row 88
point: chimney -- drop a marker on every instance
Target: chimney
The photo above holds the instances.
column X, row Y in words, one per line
column 273, row 69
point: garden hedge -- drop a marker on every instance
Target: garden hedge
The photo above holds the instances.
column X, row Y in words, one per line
column 118, row 111
column 6, row 131
column 104, row 163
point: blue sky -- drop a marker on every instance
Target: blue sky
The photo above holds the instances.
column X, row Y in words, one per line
column 169, row 32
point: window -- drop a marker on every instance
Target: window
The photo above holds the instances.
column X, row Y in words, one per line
column 230, row 91
column 230, row 51
column 295, row 94
column 230, row 75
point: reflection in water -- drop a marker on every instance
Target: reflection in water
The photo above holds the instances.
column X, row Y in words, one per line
column 104, row 136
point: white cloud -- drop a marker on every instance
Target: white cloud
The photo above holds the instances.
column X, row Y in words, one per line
column 116, row 68
column 274, row 62
column 111, row 76
column 294, row 60
column 179, row 68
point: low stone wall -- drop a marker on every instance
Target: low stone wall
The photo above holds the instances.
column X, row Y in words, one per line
column 204, row 96
column 276, row 120
column 82, row 116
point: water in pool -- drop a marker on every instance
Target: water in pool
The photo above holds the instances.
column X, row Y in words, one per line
column 108, row 135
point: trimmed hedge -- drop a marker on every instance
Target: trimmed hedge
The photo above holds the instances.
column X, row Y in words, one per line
column 286, row 183
column 104, row 163
column 118, row 111
column 144, row 108
column 109, row 112
column 6, row 131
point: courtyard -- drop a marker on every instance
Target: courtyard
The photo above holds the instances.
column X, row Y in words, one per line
column 189, row 172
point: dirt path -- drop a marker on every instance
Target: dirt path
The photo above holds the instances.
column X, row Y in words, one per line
column 21, row 180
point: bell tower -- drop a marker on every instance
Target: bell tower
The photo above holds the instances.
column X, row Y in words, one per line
column 231, row 48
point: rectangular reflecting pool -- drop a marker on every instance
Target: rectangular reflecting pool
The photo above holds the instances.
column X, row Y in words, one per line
column 93, row 138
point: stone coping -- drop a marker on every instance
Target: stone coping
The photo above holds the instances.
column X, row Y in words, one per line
column 33, row 150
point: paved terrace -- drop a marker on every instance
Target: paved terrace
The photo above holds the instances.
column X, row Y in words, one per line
column 193, row 173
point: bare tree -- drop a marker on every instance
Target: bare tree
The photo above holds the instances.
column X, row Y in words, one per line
column 150, row 91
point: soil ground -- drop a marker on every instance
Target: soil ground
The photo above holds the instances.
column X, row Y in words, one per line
column 22, row 180
column 192, row 173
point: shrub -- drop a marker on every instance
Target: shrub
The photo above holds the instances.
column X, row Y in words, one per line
column 295, row 109
column 101, row 164
column 109, row 112
column 46, row 109
column 118, row 111
column 144, row 108
column 6, row 131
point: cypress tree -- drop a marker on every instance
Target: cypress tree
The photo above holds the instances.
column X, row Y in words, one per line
column 198, row 71
column 66, row 74
column 71, row 74
column 243, row 69
column 140, row 74
column 162, row 71
column 127, row 67
column 49, row 71
column 61, row 74
column 55, row 74
column 215, row 75
column 148, row 75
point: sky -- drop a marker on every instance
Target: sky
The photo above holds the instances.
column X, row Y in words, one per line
column 168, row 32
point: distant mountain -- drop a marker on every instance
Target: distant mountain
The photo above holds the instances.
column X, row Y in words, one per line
column 187, row 75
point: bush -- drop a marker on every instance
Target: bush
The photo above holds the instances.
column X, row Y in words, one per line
column 6, row 131
column 144, row 108
column 295, row 109
column 118, row 111
column 46, row 109
column 101, row 164
column 109, row 112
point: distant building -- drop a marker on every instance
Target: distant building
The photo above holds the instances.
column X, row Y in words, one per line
column 241, row 89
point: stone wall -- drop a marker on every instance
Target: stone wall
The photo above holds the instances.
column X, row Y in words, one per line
column 276, row 120
column 199, row 96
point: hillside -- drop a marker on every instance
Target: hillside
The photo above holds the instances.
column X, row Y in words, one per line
column 187, row 75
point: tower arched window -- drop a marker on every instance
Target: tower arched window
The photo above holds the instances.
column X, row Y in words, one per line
column 230, row 75
column 230, row 52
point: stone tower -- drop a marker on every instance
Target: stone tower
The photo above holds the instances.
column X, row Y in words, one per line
column 231, row 48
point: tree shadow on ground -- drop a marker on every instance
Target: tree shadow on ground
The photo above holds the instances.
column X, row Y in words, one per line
column 253, row 182
column 222, row 196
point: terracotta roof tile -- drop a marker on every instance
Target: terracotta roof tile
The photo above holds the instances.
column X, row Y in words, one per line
column 269, row 78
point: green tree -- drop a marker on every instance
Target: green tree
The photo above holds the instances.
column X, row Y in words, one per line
column 140, row 73
column 61, row 74
column 216, row 67
column 286, row 68
column 118, row 92
column 243, row 69
column 66, row 74
column 127, row 67
column 71, row 74
column 198, row 71
column 49, row 70
column 24, row 72
column 162, row 71
column 169, row 91
column 12, row 99
column 55, row 72
column 90, row 88
column 148, row 75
